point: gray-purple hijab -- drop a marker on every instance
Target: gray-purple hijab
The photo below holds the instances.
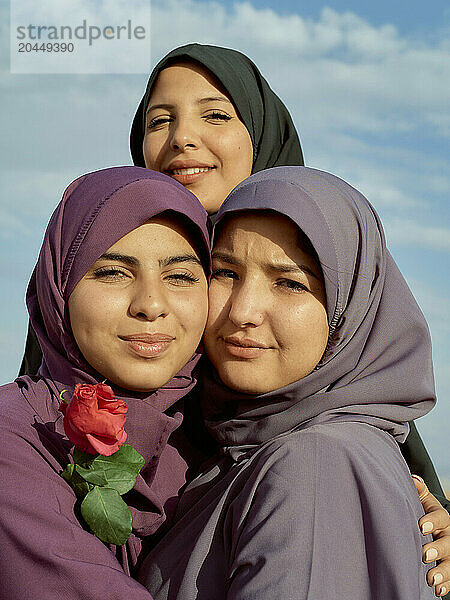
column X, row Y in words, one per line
column 41, row 538
column 377, row 366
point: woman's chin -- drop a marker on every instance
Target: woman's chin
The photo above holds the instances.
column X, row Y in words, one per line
column 142, row 375
column 131, row 386
column 246, row 385
column 139, row 384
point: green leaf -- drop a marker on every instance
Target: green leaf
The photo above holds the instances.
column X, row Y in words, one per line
column 83, row 458
column 125, row 455
column 120, row 469
column 92, row 475
column 77, row 483
column 107, row 515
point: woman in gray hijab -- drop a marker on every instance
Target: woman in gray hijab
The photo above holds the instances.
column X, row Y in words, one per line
column 301, row 266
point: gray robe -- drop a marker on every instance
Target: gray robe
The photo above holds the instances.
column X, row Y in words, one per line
column 303, row 517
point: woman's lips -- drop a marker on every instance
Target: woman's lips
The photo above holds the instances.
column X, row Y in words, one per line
column 189, row 175
column 244, row 348
column 148, row 345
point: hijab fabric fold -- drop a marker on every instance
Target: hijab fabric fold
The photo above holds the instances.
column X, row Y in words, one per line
column 273, row 134
column 377, row 367
column 96, row 211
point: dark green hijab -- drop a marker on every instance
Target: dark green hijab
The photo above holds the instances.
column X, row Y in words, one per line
column 274, row 137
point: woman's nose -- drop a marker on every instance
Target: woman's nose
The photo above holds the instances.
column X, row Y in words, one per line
column 183, row 135
column 248, row 305
column 149, row 302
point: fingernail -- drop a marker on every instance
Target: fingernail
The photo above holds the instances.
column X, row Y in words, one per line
column 418, row 478
column 427, row 527
column 438, row 578
column 431, row 554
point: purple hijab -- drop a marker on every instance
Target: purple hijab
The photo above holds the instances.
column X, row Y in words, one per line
column 96, row 211
column 377, row 366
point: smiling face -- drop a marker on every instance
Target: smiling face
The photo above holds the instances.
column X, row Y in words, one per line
column 193, row 134
column 267, row 325
column 139, row 312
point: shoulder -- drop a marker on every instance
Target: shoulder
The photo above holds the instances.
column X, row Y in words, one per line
column 317, row 492
column 7, row 391
column 28, row 398
column 31, row 426
column 312, row 443
column 339, row 473
column 13, row 405
column 339, row 455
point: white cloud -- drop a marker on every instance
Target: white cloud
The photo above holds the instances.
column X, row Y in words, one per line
column 371, row 78
column 407, row 232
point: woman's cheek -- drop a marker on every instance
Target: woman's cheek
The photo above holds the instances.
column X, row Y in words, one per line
column 218, row 301
column 196, row 311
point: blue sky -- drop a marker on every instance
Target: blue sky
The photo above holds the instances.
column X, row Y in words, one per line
column 409, row 16
column 368, row 85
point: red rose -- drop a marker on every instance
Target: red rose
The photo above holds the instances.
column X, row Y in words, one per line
column 94, row 420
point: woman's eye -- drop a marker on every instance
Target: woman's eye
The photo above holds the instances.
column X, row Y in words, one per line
column 292, row 285
column 110, row 274
column 158, row 121
column 225, row 273
column 218, row 116
column 182, row 278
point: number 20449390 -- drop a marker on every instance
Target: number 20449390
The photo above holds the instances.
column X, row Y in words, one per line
column 46, row 47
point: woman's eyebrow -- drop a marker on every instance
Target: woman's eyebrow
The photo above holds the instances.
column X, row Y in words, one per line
column 132, row 261
column 199, row 101
column 291, row 268
column 279, row 267
column 227, row 258
column 155, row 106
column 213, row 99
column 179, row 258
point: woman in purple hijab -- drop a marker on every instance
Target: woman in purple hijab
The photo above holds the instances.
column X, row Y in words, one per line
column 121, row 284
column 301, row 268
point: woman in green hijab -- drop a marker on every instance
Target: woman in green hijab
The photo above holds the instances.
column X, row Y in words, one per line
column 274, row 137
column 209, row 119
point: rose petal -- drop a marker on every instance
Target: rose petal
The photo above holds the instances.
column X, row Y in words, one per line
column 94, row 419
